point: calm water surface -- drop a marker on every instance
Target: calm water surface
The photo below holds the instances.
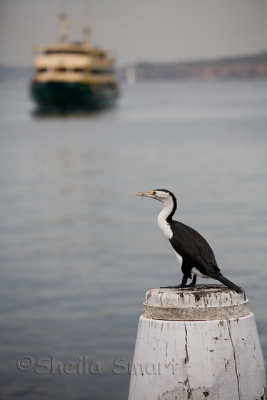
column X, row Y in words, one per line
column 78, row 250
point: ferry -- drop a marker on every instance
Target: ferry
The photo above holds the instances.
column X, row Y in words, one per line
column 73, row 75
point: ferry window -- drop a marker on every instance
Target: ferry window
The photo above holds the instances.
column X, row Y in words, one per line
column 62, row 69
column 66, row 52
column 102, row 71
column 41, row 70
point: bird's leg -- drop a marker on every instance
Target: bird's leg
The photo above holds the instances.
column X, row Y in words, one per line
column 184, row 280
column 193, row 281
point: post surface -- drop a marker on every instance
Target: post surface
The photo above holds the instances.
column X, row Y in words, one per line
column 197, row 343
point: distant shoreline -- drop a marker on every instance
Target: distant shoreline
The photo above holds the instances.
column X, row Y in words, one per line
column 244, row 67
column 241, row 67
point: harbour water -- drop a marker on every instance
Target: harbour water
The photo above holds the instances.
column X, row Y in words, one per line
column 79, row 250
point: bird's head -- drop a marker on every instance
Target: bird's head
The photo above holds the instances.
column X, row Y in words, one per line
column 167, row 199
column 162, row 195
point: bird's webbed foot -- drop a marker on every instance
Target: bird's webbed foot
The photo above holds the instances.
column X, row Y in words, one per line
column 171, row 287
column 183, row 284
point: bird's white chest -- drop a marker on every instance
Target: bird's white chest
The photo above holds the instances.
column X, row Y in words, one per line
column 164, row 226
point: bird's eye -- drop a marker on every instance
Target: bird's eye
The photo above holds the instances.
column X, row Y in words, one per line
column 153, row 193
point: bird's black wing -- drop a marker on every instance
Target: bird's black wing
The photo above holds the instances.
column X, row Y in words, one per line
column 194, row 248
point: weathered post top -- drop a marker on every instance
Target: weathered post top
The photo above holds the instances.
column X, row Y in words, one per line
column 209, row 337
column 199, row 303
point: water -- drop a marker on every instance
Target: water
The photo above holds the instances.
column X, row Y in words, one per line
column 79, row 250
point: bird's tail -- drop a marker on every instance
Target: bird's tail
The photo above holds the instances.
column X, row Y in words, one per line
column 228, row 283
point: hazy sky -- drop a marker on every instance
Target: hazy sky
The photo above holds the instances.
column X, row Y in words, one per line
column 160, row 30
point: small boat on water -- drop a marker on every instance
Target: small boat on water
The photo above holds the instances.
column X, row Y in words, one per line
column 73, row 75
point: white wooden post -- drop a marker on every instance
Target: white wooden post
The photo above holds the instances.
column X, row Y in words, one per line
column 197, row 343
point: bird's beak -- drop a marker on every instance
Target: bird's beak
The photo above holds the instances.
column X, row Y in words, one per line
column 146, row 194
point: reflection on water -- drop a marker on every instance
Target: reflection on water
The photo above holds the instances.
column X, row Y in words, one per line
column 78, row 250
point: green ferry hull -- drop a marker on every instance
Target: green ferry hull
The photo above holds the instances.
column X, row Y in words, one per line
column 68, row 95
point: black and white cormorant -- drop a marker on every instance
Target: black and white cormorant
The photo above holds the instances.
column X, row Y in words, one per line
column 191, row 249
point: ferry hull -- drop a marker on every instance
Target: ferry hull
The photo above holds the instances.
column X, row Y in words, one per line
column 68, row 95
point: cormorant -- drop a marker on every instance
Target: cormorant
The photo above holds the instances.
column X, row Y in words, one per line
column 191, row 249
